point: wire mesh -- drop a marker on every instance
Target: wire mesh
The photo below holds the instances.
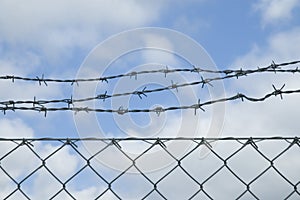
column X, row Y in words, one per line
column 229, row 168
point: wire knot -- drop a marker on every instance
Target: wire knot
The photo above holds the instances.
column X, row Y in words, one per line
column 43, row 109
column 115, row 143
column 69, row 101
column 40, row 80
column 74, row 81
column 251, row 142
column 198, row 106
column 165, row 71
column 240, row 72
column 241, row 96
column 274, row 66
column 131, row 74
column 122, row 111
column 173, row 86
column 196, row 69
column 77, row 110
column 103, row 96
column 278, row 91
column 205, row 143
column 158, row 110
column 205, row 81
column 104, row 79
column 140, row 93
column 71, row 143
column 160, row 143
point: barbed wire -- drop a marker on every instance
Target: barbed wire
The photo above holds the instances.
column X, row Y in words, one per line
column 285, row 179
column 143, row 93
column 273, row 67
column 158, row 110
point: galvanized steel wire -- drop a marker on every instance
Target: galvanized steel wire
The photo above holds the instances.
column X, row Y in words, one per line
column 249, row 187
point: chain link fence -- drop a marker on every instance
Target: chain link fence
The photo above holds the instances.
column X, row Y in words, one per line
column 202, row 168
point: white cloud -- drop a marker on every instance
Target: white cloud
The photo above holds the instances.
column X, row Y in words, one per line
column 55, row 27
column 17, row 63
column 10, row 128
column 279, row 47
column 161, row 56
column 274, row 11
column 274, row 116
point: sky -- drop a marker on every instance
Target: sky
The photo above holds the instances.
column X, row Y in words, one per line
column 65, row 39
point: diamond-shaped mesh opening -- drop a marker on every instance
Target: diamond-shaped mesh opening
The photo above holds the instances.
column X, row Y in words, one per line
column 247, row 163
column 112, row 157
column 156, row 175
column 155, row 160
column 62, row 163
column 201, row 168
column 177, row 185
column 41, row 185
column 289, row 164
column 132, row 186
column 87, row 182
column 271, row 185
column 224, row 185
column 107, row 173
column 29, row 182
column 20, row 163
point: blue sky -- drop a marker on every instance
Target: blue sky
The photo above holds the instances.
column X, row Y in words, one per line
column 55, row 37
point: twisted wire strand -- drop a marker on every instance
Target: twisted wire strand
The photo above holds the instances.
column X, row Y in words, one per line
column 143, row 93
column 151, row 139
column 158, row 110
column 273, row 67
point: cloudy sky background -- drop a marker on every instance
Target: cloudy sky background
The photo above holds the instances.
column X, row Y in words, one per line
column 53, row 38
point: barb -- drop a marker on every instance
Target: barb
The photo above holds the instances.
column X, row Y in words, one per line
column 140, row 93
column 144, row 92
column 10, row 105
column 235, row 73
